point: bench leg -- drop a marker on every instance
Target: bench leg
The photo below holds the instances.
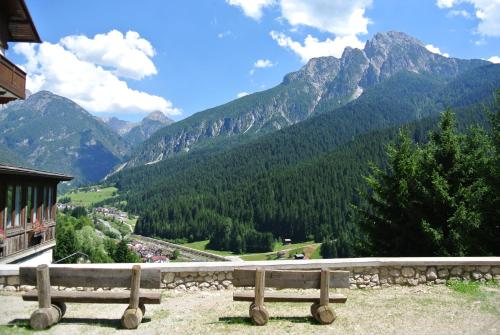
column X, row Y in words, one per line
column 133, row 314
column 323, row 313
column 258, row 313
column 47, row 314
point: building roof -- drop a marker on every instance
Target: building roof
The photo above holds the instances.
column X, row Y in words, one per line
column 20, row 26
column 20, row 171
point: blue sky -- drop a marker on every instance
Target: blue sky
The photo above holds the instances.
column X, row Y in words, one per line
column 185, row 56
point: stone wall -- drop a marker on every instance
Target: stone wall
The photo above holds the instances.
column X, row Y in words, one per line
column 360, row 277
column 364, row 272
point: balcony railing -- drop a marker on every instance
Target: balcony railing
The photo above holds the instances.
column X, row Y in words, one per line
column 12, row 81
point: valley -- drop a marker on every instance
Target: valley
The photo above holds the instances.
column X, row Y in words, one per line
column 287, row 162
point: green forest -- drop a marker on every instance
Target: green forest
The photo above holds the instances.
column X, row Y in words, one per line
column 306, row 182
column 75, row 232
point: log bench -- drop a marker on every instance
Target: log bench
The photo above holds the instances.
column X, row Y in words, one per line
column 323, row 279
column 52, row 303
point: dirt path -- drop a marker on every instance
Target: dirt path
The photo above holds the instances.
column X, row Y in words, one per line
column 421, row 310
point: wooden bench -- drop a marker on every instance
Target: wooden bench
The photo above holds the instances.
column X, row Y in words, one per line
column 323, row 279
column 52, row 303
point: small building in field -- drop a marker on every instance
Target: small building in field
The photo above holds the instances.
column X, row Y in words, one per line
column 298, row 256
column 16, row 25
column 27, row 214
column 287, row 241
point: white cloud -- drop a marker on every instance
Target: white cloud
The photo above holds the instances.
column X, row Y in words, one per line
column 445, row 3
column 461, row 12
column 261, row 64
column 242, row 94
column 58, row 69
column 312, row 47
column 345, row 20
column 339, row 17
column 486, row 11
column 251, row 8
column 436, row 50
column 494, row 59
column 224, row 34
column 129, row 55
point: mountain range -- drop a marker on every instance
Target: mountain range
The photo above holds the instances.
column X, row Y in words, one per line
column 135, row 133
column 326, row 104
column 53, row 133
column 323, row 84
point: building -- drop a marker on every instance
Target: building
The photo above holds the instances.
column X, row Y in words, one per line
column 27, row 214
column 16, row 25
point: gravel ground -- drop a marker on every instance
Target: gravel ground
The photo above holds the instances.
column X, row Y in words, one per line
column 395, row 310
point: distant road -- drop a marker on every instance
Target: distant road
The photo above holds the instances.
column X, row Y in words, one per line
column 188, row 254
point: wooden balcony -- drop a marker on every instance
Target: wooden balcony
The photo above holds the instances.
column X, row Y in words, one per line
column 12, row 81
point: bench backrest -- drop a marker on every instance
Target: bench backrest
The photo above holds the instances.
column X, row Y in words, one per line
column 291, row 278
column 71, row 276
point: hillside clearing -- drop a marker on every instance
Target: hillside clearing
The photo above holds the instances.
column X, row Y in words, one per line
column 310, row 249
column 87, row 198
column 394, row 310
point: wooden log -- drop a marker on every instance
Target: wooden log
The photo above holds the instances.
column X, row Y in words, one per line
column 43, row 318
column 288, row 297
column 132, row 318
column 291, row 279
column 91, row 277
column 135, row 287
column 143, row 308
column 96, row 297
column 59, row 312
column 47, row 314
column 324, row 288
column 260, row 282
column 325, row 315
column 43, row 286
column 252, row 305
column 60, row 305
column 259, row 315
column 314, row 309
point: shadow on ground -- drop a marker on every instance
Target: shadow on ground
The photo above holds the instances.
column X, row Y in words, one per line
column 105, row 323
column 248, row 321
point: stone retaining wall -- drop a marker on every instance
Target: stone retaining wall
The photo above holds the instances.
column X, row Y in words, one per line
column 360, row 277
column 364, row 272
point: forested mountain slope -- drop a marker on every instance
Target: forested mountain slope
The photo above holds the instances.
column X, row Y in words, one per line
column 55, row 134
column 301, row 180
column 321, row 85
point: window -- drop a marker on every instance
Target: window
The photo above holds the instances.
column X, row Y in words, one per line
column 17, row 206
column 49, row 204
column 44, row 203
column 8, row 207
column 29, row 203
column 35, row 203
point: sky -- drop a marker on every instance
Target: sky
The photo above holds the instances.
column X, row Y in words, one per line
column 127, row 58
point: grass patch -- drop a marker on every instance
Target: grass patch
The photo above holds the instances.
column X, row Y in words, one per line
column 291, row 249
column 202, row 246
column 17, row 327
column 316, row 254
column 465, row 287
column 87, row 198
column 261, row 256
column 486, row 294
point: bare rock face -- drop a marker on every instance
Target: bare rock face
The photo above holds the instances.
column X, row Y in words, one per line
column 321, row 85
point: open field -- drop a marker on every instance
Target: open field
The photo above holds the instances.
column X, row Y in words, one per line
column 310, row 248
column 394, row 310
column 87, row 198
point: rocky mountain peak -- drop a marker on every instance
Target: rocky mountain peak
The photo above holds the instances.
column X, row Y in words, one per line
column 158, row 116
